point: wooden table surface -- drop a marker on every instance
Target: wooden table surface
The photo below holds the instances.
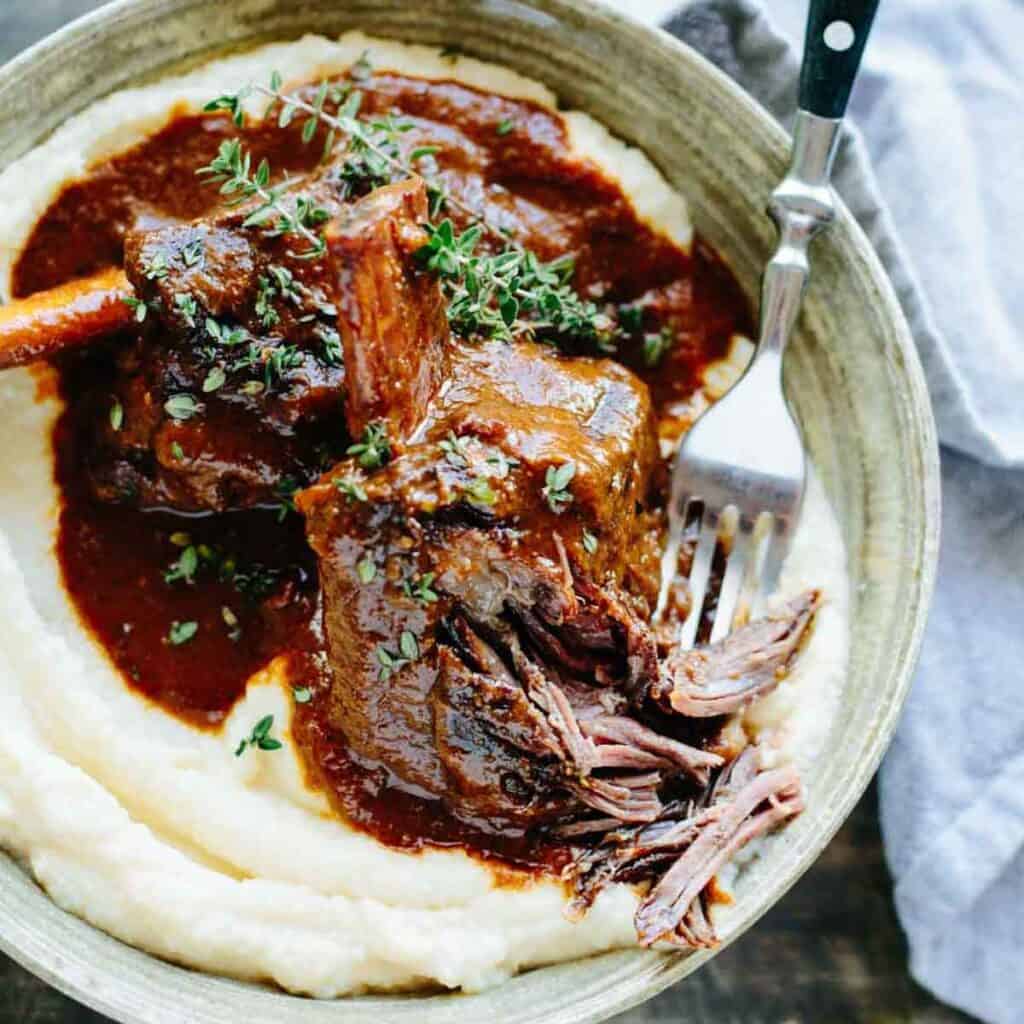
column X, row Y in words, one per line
column 830, row 953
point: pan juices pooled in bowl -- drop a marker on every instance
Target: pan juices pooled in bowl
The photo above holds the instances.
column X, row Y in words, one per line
column 328, row 567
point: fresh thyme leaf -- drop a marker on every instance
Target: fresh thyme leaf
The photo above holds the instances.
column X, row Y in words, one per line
column 252, row 387
column 505, row 126
column 409, row 646
column 180, row 539
column 214, row 379
column 187, row 307
column 366, row 570
column 374, row 449
column 656, row 345
column 631, row 319
column 285, row 491
column 256, row 581
column 137, row 306
column 455, row 449
column 510, row 294
column 185, row 568
column 421, row 151
column 556, row 486
column 181, row 633
column 231, row 621
column 502, row 463
column 192, row 253
column 227, row 336
column 362, row 69
column 181, row 407
column 232, row 170
column 232, row 104
column 390, row 662
column 177, row 451
column 155, row 269
column 351, row 488
column 420, row 589
column 479, row 492
column 268, row 316
column 260, row 737
column 332, row 351
column 116, row 415
column 302, row 694
column 589, row 542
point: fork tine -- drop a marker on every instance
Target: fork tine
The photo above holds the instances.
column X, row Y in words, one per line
column 776, row 547
column 700, row 573
column 679, row 516
column 733, row 580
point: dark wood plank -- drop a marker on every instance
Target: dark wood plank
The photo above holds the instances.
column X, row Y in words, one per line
column 830, row 953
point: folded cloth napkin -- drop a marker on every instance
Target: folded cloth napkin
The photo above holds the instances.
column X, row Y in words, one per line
column 940, row 104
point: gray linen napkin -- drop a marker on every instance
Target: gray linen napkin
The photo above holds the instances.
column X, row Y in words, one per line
column 941, row 105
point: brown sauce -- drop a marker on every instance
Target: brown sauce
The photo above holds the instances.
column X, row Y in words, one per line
column 115, row 559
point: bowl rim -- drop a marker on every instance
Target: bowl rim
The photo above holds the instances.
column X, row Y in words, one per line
column 52, row 968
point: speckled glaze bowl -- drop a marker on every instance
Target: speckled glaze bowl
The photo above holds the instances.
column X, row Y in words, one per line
column 852, row 373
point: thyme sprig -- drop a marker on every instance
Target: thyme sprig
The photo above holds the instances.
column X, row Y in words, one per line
column 510, row 294
column 232, row 169
column 370, row 145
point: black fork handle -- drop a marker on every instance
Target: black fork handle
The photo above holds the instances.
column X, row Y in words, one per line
column 832, row 54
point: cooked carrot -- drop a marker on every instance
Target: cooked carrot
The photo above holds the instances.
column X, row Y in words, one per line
column 48, row 323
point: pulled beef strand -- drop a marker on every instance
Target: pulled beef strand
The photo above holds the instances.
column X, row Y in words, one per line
column 687, row 846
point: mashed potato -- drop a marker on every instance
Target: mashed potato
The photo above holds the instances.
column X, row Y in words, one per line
column 156, row 832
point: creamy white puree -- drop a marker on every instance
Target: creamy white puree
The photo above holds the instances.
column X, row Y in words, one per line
column 156, row 832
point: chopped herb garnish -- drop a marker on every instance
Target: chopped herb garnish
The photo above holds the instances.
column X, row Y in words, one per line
column 268, row 316
column 423, row 151
column 232, row 170
column 502, row 464
column 255, row 582
column 455, row 449
column 420, row 589
column 180, row 539
column 589, row 542
column 362, row 69
column 302, row 694
column 137, row 306
column 374, row 449
column 631, row 319
column 214, row 379
column 351, row 488
column 229, row 336
column 556, row 486
column 155, row 269
column 505, row 126
column 181, row 407
column 177, row 451
column 332, row 351
column 260, row 737
column 231, row 621
column 408, row 645
column 116, row 415
column 185, row 567
column 366, row 570
column 656, row 345
column 510, row 294
column 285, row 491
column 192, row 253
column 390, row 662
column 181, row 633
column 187, row 307
column 479, row 492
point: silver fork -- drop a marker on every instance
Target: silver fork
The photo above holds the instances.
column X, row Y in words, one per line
column 743, row 461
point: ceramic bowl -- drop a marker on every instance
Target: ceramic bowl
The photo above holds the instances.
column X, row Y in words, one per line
column 852, row 375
